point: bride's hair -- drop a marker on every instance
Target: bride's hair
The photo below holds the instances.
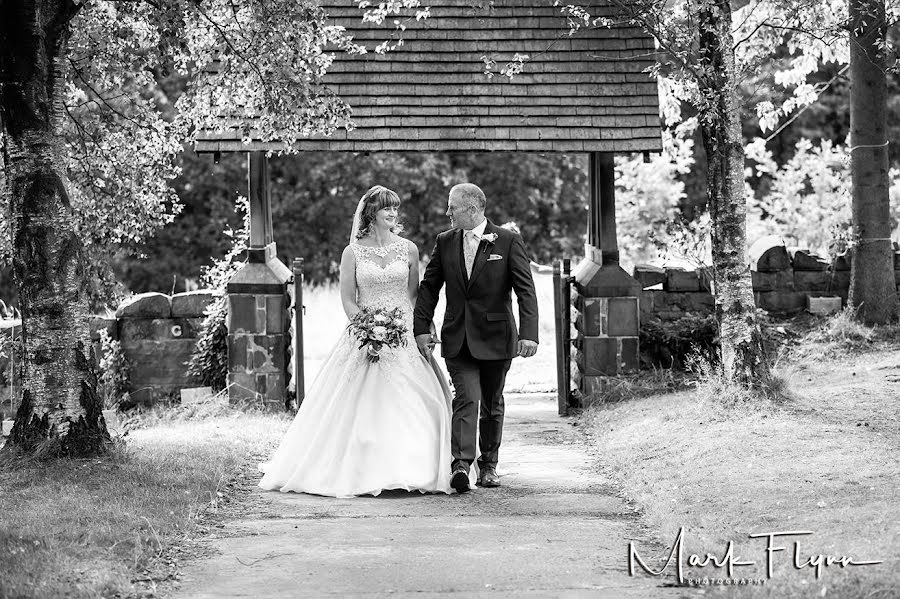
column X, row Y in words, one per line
column 375, row 199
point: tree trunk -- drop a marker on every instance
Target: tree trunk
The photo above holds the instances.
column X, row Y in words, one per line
column 743, row 359
column 60, row 411
column 872, row 288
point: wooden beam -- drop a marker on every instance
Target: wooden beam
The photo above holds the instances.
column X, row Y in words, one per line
column 593, row 238
column 603, row 205
column 260, row 200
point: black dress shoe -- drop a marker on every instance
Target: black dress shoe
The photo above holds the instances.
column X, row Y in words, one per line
column 489, row 478
column 459, row 480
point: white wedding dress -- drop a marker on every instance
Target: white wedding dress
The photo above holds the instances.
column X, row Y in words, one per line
column 366, row 427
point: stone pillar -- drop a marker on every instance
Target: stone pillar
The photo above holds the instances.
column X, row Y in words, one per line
column 258, row 303
column 606, row 298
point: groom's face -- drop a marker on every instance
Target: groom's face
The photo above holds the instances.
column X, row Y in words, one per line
column 461, row 213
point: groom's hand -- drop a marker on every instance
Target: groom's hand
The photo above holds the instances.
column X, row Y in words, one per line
column 425, row 343
column 527, row 348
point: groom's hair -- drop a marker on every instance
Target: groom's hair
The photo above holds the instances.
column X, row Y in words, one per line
column 471, row 194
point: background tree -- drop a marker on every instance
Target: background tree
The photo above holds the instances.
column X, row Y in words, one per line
column 872, row 287
column 840, row 33
column 59, row 398
column 743, row 359
column 699, row 55
column 314, row 195
column 270, row 62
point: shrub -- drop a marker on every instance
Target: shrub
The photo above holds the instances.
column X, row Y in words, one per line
column 670, row 343
column 209, row 362
column 114, row 372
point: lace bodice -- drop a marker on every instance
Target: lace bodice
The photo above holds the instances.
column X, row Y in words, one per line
column 382, row 275
column 382, row 278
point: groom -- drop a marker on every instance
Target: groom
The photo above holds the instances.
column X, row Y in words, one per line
column 480, row 263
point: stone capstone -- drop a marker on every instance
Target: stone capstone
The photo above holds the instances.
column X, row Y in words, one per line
column 807, row 261
column 768, row 254
column 649, row 276
column 192, row 303
column 146, row 305
column 679, row 279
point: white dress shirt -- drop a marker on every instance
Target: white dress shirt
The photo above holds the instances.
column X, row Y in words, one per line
column 471, row 239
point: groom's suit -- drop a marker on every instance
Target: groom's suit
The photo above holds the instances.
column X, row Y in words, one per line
column 479, row 332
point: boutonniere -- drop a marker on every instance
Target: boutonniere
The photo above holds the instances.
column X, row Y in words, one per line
column 489, row 238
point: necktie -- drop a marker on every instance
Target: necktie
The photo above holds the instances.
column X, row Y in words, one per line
column 470, row 245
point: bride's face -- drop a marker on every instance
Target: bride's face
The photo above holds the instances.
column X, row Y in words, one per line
column 386, row 218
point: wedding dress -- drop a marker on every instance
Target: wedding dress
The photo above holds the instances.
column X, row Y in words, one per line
column 366, row 427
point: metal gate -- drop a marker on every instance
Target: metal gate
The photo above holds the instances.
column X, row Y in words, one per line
column 562, row 309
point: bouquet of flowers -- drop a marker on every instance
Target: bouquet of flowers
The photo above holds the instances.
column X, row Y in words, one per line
column 377, row 329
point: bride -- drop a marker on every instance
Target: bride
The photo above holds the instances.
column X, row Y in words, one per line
column 365, row 427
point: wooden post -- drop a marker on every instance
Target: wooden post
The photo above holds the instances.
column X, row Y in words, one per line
column 561, row 404
column 299, row 310
column 566, row 301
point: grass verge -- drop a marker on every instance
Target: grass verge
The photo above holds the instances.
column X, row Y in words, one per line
column 104, row 527
column 725, row 469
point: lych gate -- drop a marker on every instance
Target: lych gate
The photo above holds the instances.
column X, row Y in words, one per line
column 583, row 93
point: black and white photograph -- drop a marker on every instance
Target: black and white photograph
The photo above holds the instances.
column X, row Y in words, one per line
column 450, row 298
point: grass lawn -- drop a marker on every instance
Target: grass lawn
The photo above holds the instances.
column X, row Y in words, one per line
column 90, row 528
column 825, row 461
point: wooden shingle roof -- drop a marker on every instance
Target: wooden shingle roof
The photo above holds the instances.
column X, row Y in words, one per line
column 587, row 92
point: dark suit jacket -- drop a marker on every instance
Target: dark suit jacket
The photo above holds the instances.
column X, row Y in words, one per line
column 479, row 308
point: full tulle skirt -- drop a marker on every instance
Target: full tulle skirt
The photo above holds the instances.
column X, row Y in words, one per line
column 367, row 427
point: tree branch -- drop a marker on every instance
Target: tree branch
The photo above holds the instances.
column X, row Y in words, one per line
column 802, row 110
column 106, row 102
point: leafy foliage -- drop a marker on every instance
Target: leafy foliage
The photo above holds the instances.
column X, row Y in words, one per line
column 138, row 86
column 114, row 372
column 314, row 195
column 670, row 344
column 648, row 195
column 807, row 198
column 209, row 361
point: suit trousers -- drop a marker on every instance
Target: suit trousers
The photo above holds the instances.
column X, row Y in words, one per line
column 477, row 386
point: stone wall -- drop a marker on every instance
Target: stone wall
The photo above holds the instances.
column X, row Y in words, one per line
column 668, row 294
column 158, row 334
column 783, row 280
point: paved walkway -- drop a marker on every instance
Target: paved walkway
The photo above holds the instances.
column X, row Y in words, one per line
column 555, row 528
